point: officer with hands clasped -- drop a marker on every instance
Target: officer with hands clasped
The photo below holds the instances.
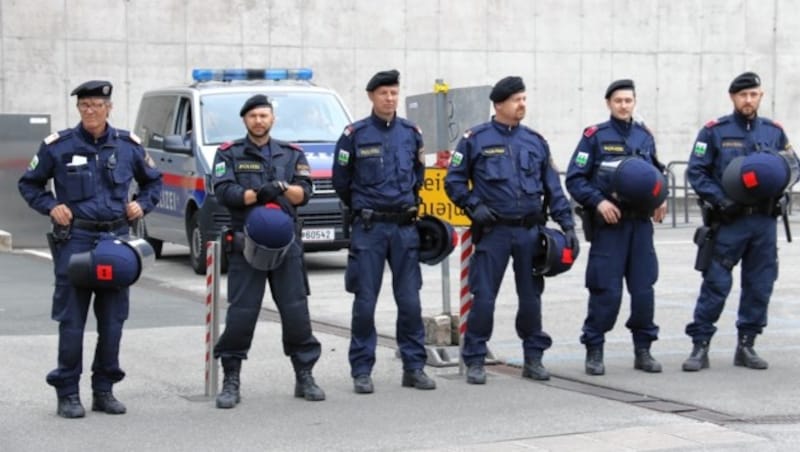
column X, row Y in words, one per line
column 741, row 166
column 261, row 180
column 92, row 167
column 502, row 175
column 616, row 178
column 377, row 172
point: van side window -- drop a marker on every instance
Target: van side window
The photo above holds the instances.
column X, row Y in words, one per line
column 157, row 115
column 183, row 125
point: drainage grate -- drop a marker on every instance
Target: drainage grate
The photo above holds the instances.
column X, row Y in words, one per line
column 772, row 419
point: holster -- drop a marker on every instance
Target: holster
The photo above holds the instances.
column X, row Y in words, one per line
column 478, row 231
column 58, row 235
column 588, row 220
column 704, row 238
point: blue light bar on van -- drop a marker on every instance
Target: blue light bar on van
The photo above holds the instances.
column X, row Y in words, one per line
column 226, row 75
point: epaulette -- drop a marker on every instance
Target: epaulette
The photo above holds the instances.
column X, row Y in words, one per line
column 52, row 138
column 409, row 124
column 225, row 146
column 56, row 136
column 772, row 122
column 539, row 135
column 644, row 126
column 716, row 122
column 591, row 130
column 129, row 135
column 352, row 128
column 477, row 129
column 295, row 147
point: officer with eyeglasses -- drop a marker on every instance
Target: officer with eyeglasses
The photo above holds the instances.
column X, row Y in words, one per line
column 92, row 166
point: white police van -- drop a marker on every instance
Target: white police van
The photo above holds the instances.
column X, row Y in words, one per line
column 182, row 127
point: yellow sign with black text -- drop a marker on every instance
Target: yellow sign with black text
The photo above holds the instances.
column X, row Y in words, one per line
column 435, row 201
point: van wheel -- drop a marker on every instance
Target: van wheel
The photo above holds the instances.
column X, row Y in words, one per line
column 139, row 229
column 197, row 242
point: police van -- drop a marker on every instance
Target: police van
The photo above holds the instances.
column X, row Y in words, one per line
column 182, row 127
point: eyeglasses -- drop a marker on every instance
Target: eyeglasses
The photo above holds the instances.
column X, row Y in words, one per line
column 86, row 106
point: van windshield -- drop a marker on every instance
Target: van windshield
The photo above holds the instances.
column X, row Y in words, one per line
column 299, row 117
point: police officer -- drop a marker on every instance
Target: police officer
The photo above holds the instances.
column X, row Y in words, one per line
column 622, row 231
column 248, row 173
column 502, row 175
column 92, row 166
column 746, row 233
column 377, row 172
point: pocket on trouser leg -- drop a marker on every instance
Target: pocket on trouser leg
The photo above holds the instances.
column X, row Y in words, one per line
column 351, row 273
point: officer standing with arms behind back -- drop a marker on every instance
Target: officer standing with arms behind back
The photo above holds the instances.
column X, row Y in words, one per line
column 261, row 180
column 743, row 230
column 92, row 167
column 502, row 175
column 616, row 178
column 378, row 170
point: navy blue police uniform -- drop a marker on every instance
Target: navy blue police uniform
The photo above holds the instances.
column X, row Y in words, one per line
column 377, row 173
column 92, row 177
column 510, row 171
column 745, row 233
column 238, row 166
column 621, row 250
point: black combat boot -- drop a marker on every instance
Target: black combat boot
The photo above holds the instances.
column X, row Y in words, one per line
column 362, row 384
column 476, row 374
column 746, row 356
column 106, row 402
column 229, row 396
column 594, row 361
column 417, row 378
column 306, row 387
column 698, row 359
column 70, row 407
column 645, row 361
column 534, row 369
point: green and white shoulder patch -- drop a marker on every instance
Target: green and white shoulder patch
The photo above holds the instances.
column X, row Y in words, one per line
column 219, row 169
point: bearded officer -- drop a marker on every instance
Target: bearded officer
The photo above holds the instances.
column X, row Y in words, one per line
column 746, row 233
column 502, row 175
column 249, row 173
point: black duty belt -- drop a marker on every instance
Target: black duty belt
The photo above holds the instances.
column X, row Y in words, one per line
column 627, row 214
column 99, row 226
column 528, row 221
column 756, row 210
column 369, row 215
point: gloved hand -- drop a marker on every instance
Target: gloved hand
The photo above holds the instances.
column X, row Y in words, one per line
column 728, row 210
column 271, row 190
column 572, row 241
column 481, row 214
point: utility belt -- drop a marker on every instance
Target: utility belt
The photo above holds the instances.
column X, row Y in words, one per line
column 628, row 214
column 232, row 240
column 99, row 226
column 528, row 221
column 369, row 216
column 765, row 209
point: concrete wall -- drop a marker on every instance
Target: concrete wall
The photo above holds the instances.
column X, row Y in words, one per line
column 682, row 53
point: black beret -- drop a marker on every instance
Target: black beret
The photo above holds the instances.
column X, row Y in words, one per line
column 744, row 81
column 93, row 88
column 259, row 100
column 383, row 78
column 619, row 84
column 507, row 86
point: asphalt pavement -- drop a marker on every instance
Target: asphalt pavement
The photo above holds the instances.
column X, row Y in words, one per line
column 722, row 408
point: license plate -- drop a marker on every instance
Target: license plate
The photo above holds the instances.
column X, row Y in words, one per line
column 317, row 235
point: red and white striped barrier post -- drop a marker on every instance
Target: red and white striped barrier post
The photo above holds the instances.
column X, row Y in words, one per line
column 212, row 319
column 466, row 295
